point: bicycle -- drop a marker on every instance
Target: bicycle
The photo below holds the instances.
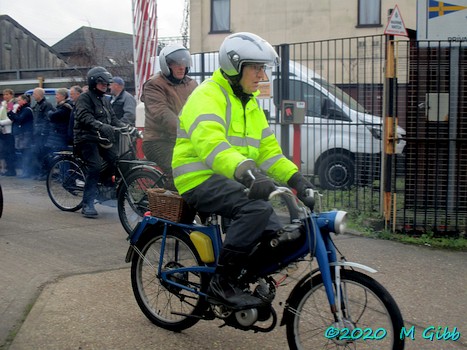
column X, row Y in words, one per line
column 1, row 201
column 66, row 179
column 332, row 306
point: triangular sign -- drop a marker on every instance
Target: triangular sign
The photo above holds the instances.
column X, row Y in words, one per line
column 395, row 24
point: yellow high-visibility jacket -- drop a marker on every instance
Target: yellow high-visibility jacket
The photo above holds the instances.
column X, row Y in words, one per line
column 216, row 133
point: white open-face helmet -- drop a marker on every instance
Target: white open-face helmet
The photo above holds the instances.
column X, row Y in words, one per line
column 240, row 48
column 174, row 53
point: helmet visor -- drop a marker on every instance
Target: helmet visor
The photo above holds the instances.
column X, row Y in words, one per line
column 179, row 57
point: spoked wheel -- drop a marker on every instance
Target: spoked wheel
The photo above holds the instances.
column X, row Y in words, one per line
column 1, row 201
column 166, row 305
column 371, row 316
column 65, row 183
column 133, row 199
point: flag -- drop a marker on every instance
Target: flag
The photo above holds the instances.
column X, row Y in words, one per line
column 441, row 8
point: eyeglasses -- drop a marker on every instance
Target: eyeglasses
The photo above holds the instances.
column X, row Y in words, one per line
column 257, row 67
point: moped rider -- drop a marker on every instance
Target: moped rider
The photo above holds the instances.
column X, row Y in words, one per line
column 223, row 135
column 164, row 95
column 94, row 135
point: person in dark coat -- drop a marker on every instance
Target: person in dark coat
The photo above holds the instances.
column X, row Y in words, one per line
column 57, row 136
column 22, row 129
column 75, row 91
column 94, row 121
column 41, row 129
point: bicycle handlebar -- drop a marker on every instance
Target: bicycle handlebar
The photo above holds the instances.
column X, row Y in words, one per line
column 128, row 129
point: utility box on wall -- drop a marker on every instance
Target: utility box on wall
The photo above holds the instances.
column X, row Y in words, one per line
column 437, row 107
column 293, row 112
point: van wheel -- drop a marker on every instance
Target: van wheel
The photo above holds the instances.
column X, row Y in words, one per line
column 336, row 171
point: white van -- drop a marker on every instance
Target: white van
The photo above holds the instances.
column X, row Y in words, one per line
column 340, row 142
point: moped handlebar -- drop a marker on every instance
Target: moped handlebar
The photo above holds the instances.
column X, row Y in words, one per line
column 309, row 201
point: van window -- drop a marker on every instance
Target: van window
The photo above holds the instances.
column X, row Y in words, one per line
column 318, row 105
column 341, row 95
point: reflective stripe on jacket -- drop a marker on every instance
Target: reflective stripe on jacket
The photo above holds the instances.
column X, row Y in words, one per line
column 216, row 133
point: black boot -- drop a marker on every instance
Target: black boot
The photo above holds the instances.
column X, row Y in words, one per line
column 224, row 287
column 88, row 210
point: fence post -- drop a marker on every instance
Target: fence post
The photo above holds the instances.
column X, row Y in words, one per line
column 389, row 130
column 283, row 84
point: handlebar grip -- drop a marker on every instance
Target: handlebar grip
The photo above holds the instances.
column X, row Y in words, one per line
column 309, row 202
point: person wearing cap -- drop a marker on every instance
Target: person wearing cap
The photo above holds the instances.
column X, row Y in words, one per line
column 164, row 96
column 224, row 138
column 123, row 103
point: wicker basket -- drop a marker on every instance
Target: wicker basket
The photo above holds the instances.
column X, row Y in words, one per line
column 169, row 205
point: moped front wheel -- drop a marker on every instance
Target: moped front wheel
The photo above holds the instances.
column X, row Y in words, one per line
column 371, row 317
column 132, row 200
column 65, row 183
column 165, row 304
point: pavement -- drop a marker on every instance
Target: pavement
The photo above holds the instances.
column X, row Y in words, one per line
column 98, row 310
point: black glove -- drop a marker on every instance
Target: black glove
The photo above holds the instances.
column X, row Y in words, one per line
column 107, row 131
column 300, row 184
column 260, row 187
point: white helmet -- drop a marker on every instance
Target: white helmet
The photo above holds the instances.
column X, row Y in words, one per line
column 243, row 47
column 174, row 53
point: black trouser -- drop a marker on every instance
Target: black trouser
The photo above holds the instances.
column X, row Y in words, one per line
column 93, row 155
column 9, row 152
column 161, row 153
column 251, row 219
column 38, row 154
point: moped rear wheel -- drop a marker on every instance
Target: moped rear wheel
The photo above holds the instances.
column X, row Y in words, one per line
column 133, row 199
column 65, row 183
column 168, row 306
column 372, row 319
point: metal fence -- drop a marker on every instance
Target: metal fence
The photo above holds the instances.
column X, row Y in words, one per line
column 326, row 104
column 435, row 188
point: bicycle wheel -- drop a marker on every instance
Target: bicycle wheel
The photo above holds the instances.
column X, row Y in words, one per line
column 65, row 183
column 369, row 311
column 168, row 306
column 1, row 201
column 132, row 198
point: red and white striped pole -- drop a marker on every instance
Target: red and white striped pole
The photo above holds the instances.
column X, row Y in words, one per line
column 144, row 55
column 144, row 41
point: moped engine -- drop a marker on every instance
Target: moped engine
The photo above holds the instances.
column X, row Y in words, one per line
column 246, row 319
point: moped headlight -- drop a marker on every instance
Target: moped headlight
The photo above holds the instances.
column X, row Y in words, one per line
column 333, row 221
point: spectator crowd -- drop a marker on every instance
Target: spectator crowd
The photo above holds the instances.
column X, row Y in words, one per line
column 32, row 128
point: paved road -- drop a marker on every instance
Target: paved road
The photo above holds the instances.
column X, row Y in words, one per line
column 74, row 266
column 39, row 243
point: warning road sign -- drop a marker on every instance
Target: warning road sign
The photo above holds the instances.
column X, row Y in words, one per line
column 395, row 24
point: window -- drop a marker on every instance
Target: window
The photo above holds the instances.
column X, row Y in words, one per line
column 220, row 16
column 318, row 104
column 369, row 13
